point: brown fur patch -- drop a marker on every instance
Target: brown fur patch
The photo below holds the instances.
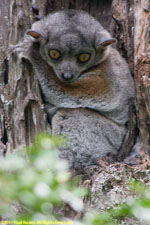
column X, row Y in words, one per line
column 94, row 85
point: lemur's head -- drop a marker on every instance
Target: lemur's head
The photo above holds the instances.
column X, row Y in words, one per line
column 71, row 42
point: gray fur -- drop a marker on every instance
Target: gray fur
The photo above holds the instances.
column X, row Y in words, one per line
column 95, row 125
column 90, row 136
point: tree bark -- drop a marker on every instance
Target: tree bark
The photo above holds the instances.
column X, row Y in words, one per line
column 3, row 70
column 142, row 70
column 133, row 19
column 21, row 107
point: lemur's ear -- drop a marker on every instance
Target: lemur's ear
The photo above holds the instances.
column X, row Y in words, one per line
column 36, row 35
column 104, row 42
column 107, row 41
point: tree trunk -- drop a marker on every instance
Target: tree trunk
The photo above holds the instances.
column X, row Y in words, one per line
column 3, row 70
column 21, row 108
column 24, row 115
column 142, row 70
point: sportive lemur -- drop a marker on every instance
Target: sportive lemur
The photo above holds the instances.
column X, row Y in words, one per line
column 86, row 84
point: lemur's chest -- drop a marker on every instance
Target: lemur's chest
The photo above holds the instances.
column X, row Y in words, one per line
column 93, row 85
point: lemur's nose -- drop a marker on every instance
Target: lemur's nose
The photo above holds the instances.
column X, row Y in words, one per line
column 67, row 76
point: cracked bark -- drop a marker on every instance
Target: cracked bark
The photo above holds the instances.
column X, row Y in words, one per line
column 142, row 70
column 3, row 70
column 21, row 107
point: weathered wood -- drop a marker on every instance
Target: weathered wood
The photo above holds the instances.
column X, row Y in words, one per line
column 123, row 15
column 132, row 20
column 23, row 106
column 142, row 69
column 3, row 69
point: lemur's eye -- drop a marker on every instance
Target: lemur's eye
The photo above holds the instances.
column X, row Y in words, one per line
column 54, row 54
column 84, row 57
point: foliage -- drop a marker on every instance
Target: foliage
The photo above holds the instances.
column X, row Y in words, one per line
column 38, row 181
